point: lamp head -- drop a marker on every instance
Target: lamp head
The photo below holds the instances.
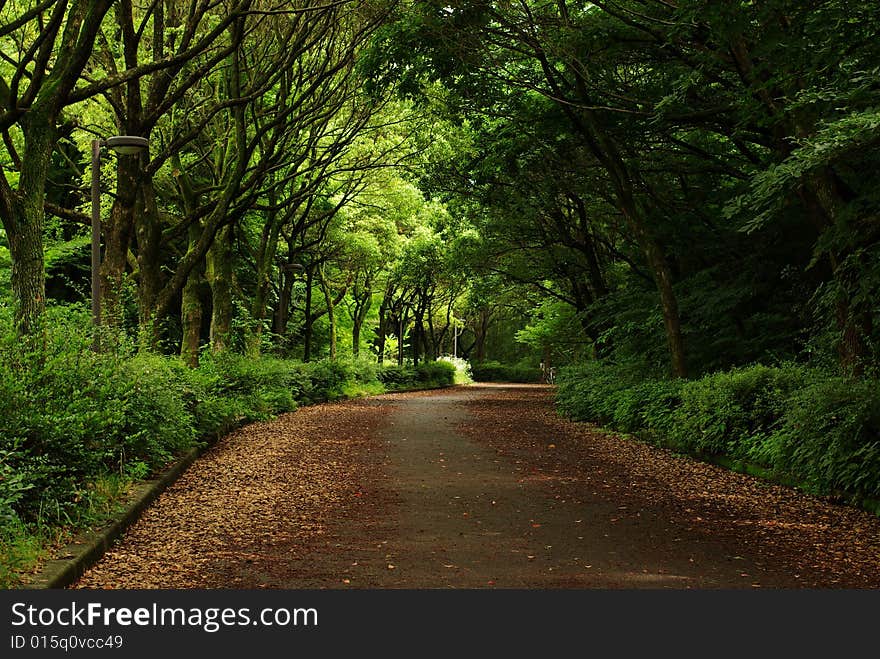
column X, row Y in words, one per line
column 126, row 145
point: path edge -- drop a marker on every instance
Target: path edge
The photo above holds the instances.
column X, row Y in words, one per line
column 87, row 548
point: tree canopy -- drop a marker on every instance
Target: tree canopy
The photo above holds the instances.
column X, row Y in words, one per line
column 678, row 186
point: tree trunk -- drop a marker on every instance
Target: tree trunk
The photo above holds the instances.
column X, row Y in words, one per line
column 668, row 302
column 282, row 311
column 415, row 340
column 219, row 275
column 480, row 332
column 822, row 201
column 362, row 307
column 28, row 270
column 331, row 310
column 307, row 330
column 356, row 339
column 149, row 240
column 431, row 342
column 25, row 228
column 654, row 255
column 191, row 309
column 382, row 331
column 117, row 230
column 265, row 260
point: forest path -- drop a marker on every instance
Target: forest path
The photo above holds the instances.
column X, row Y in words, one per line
column 476, row 487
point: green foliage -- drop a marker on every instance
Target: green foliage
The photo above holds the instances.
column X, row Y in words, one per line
column 68, row 414
column 554, row 324
column 830, row 434
column 228, row 389
column 426, row 375
column 820, row 430
column 732, row 412
column 493, row 371
column 463, row 373
column 593, row 392
column 341, row 378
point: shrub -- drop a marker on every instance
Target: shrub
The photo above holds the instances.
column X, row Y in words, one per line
column 830, row 436
column 435, row 374
column 589, row 392
column 426, row 375
column 68, row 416
column 235, row 388
column 155, row 421
column 463, row 373
column 733, row 412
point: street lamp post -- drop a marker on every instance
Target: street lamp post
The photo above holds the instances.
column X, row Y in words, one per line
column 123, row 145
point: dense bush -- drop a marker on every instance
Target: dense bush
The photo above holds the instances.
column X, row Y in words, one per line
column 463, row 373
column 67, row 414
column 229, row 389
column 734, row 412
column 498, row 372
column 830, row 435
column 424, row 376
column 805, row 424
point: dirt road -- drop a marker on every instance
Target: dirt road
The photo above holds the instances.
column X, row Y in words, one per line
column 476, row 487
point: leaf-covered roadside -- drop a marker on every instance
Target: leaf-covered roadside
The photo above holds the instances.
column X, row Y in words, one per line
column 245, row 513
column 805, row 425
column 820, row 544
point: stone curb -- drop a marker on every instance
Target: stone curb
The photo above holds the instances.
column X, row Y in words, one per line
column 85, row 550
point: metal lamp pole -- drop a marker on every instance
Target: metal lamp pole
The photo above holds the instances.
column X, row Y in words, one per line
column 124, row 145
column 96, row 243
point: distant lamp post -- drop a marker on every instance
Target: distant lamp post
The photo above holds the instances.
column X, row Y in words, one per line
column 125, row 145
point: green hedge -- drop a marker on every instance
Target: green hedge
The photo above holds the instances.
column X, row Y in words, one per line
column 426, row 375
column 805, row 425
column 498, row 372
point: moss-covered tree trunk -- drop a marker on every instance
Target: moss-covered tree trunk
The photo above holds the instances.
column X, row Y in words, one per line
column 191, row 309
column 218, row 272
column 149, row 240
column 309, row 319
column 24, row 228
column 265, row 259
column 331, row 310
